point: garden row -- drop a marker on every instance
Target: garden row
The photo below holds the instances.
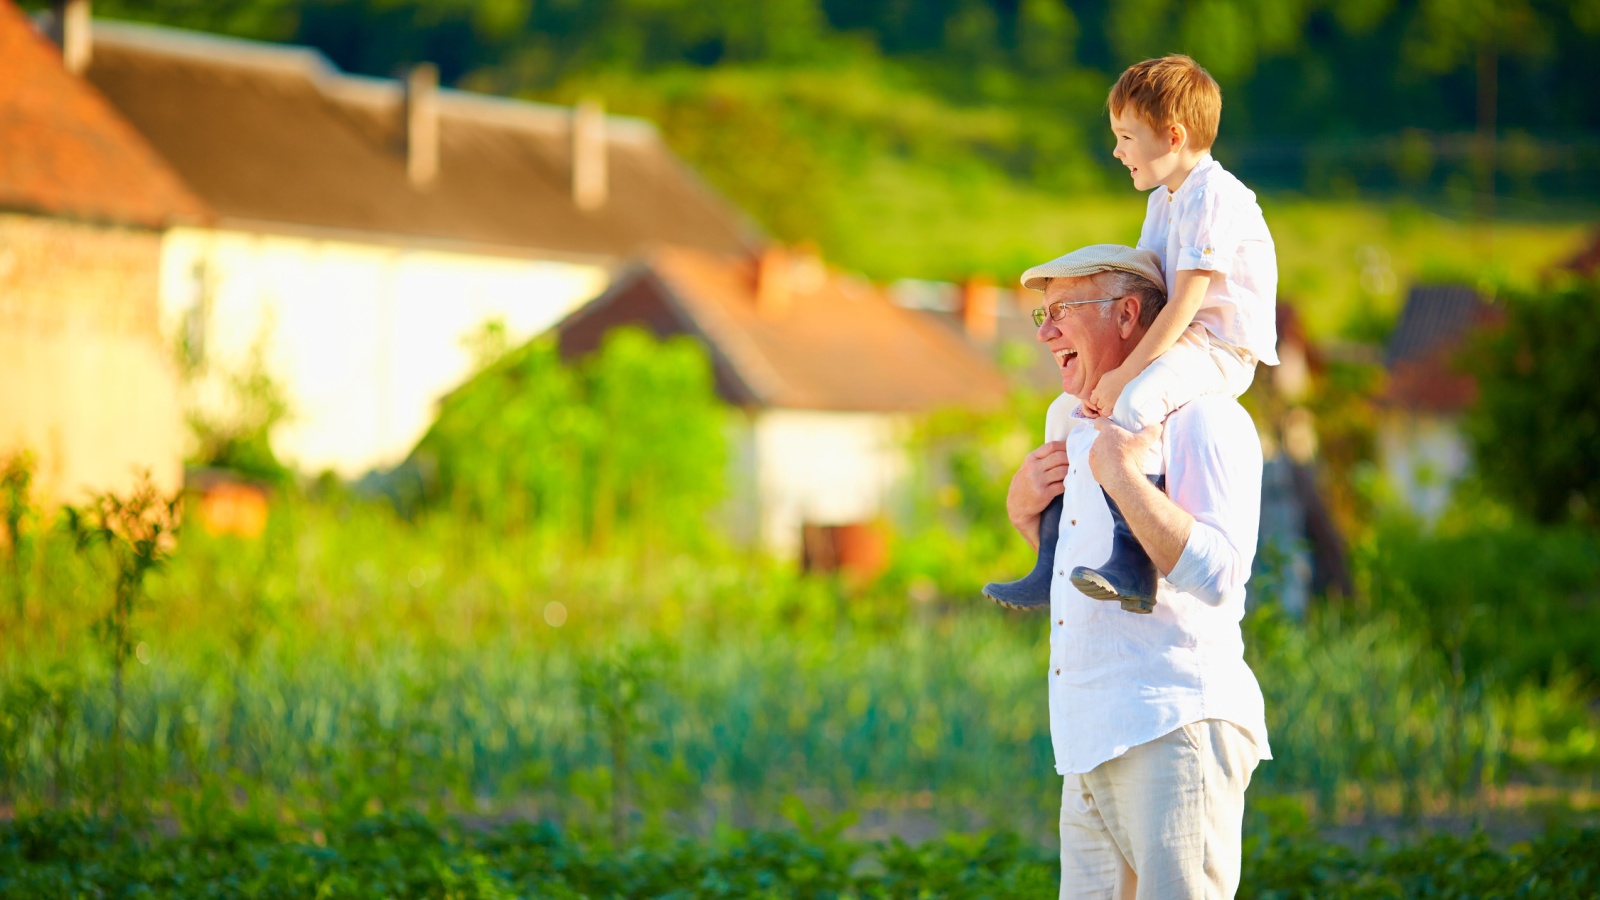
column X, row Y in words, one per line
column 409, row 856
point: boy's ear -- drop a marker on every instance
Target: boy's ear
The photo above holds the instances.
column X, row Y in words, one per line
column 1177, row 136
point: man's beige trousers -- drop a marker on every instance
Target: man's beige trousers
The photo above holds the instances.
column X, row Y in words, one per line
column 1164, row 820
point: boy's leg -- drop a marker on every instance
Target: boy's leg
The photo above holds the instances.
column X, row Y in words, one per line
column 1190, row 369
column 1238, row 366
column 1186, row 371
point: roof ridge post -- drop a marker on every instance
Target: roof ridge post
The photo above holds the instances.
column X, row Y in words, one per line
column 69, row 25
column 774, row 269
column 979, row 298
column 590, row 178
column 422, row 124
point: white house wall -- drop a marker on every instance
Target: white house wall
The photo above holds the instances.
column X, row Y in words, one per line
column 1423, row 457
column 823, row 468
column 363, row 339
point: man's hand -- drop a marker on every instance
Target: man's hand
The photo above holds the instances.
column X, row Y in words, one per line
column 1038, row 481
column 1118, row 455
column 1103, row 399
column 1117, row 461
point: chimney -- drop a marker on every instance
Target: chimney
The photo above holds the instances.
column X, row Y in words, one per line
column 978, row 298
column 422, row 124
column 69, row 28
column 589, row 176
column 773, row 290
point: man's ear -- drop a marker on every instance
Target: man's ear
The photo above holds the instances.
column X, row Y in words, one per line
column 1128, row 309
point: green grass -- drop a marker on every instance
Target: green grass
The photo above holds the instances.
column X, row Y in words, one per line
column 351, row 662
column 408, row 856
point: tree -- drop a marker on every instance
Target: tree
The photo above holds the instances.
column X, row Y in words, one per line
column 1536, row 425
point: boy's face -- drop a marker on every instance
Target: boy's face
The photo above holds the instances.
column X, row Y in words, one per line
column 1151, row 158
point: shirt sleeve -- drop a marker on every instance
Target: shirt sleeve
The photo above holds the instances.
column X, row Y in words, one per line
column 1208, row 235
column 1214, row 474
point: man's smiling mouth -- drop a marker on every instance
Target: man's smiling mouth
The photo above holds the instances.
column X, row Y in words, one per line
column 1065, row 356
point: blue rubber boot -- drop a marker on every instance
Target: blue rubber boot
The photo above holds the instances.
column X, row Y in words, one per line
column 1033, row 592
column 1128, row 576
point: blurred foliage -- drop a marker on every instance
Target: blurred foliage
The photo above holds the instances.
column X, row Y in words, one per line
column 1516, row 599
column 407, row 856
column 631, row 439
column 453, row 666
column 1535, row 428
column 234, row 432
column 1300, row 67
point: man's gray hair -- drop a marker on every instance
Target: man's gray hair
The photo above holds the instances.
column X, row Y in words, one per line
column 1117, row 283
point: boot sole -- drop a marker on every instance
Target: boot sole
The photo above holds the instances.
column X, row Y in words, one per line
column 1017, row 606
column 1096, row 587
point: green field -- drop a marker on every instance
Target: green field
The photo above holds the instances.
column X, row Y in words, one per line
column 349, row 663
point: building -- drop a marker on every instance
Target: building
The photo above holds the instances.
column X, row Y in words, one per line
column 1420, row 444
column 368, row 230
column 91, row 389
column 827, row 370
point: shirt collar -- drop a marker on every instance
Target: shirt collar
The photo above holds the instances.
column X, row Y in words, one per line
column 1197, row 176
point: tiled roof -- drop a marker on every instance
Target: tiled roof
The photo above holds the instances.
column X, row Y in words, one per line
column 1434, row 315
column 274, row 135
column 65, row 152
column 1423, row 374
column 837, row 344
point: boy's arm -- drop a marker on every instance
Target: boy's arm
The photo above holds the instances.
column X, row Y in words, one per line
column 1170, row 323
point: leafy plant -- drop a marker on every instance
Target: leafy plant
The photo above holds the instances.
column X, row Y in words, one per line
column 16, row 482
column 137, row 532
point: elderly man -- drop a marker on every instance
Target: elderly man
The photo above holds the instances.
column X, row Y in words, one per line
column 1156, row 720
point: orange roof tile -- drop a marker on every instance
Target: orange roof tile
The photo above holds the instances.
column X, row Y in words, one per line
column 66, row 151
column 837, row 343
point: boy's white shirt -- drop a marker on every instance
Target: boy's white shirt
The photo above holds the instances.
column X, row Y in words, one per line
column 1213, row 223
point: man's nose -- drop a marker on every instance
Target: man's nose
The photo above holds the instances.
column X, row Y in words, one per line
column 1047, row 331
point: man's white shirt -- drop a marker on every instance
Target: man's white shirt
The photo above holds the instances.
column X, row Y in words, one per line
column 1119, row 679
column 1213, row 223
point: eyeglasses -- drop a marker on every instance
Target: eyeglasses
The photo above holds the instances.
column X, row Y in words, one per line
column 1058, row 310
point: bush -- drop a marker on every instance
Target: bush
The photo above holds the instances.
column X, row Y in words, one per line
column 408, row 856
column 1536, row 424
column 632, row 438
column 1515, row 600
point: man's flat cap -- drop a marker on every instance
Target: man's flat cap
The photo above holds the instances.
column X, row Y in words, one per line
column 1094, row 259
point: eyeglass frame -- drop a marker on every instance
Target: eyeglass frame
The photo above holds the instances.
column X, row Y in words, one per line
column 1039, row 312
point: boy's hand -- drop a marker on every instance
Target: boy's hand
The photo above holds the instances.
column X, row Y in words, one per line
column 1103, row 398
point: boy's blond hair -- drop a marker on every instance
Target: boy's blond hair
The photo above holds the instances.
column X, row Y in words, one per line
column 1169, row 90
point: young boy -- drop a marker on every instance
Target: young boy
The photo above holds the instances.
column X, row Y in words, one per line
column 1222, row 280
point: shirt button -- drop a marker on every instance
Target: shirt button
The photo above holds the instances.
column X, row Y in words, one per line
column 1061, row 621
column 1074, row 521
column 1060, row 572
column 1058, row 671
